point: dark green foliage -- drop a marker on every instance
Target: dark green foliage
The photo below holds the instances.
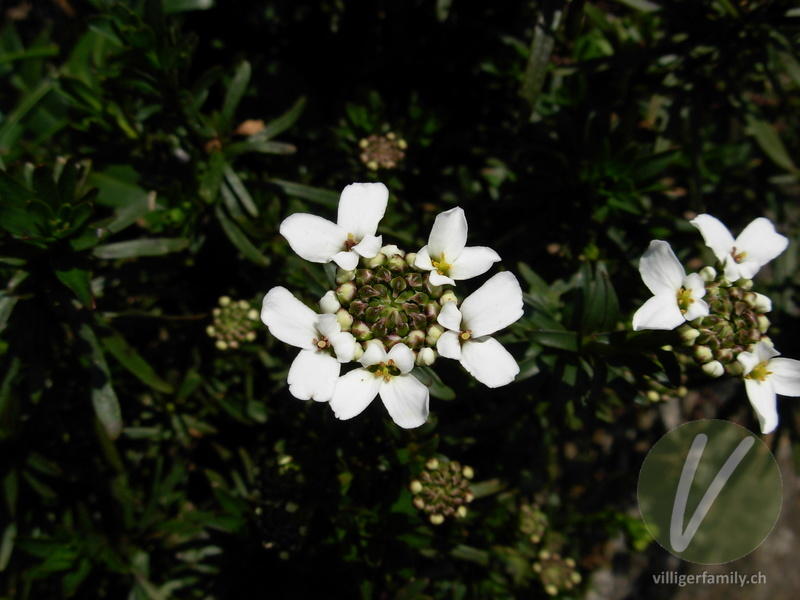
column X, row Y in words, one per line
column 149, row 151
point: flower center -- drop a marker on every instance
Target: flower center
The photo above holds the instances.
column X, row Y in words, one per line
column 350, row 242
column 387, row 370
column 442, row 266
column 685, row 299
column 738, row 256
column 759, row 372
column 322, row 343
column 465, row 335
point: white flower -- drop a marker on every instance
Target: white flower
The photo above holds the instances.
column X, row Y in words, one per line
column 764, row 376
column 324, row 346
column 361, row 207
column 494, row 305
column 741, row 258
column 677, row 297
column 387, row 374
column 446, row 257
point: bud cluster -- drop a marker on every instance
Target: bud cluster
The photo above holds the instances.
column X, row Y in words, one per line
column 382, row 151
column 735, row 323
column 390, row 300
column 557, row 574
column 533, row 522
column 235, row 322
column 442, row 490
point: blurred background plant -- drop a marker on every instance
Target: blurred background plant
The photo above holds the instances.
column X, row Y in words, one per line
column 149, row 150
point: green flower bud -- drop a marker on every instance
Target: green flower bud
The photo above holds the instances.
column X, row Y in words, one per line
column 688, row 334
column 425, row 357
column 703, row 354
column 376, row 261
column 713, row 369
column 345, row 319
column 361, row 331
column 447, row 296
column 346, row 293
column 708, row 274
column 434, row 333
column 343, row 276
column 763, row 323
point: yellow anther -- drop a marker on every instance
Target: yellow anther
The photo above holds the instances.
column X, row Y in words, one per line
column 465, row 335
column 738, row 256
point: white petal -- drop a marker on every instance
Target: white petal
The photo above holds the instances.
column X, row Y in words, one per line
column 329, row 303
column 450, row 317
column 288, row 319
column 785, row 376
column 369, row 246
column 660, row 312
column 449, row 345
column 488, row 362
column 765, row 351
column 696, row 309
column 448, row 235
column 347, row 260
column 473, row 261
column 760, row 243
column 406, row 399
column 313, row 376
column 361, row 207
column 494, row 305
column 762, row 396
column 437, row 279
column 423, row 260
column 715, row 234
column 344, row 346
column 660, row 269
column 373, row 354
column 313, row 238
column 748, row 361
column 402, row 356
column 354, row 391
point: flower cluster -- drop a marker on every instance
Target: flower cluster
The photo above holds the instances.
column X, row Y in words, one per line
column 382, row 151
column 442, row 490
column 556, row 573
column 234, row 323
column 390, row 311
column 717, row 313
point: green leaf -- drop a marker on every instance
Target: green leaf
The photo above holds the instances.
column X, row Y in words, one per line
column 769, row 141
column 240, row 191
column 76, row 278
column 129, row 358
column 7, row 298
column 143, row 247
column 264, row 147
column 7, row 545
column 562, row 340
column 306, row 192
column 104, row 399
column 239, row 239
column 235, row 93
column 282, row 123
column 24, row 106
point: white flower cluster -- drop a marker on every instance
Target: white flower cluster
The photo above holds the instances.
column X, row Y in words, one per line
column 390, row 312
column 718, row 312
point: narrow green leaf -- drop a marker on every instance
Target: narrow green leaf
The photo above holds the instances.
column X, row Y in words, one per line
column 264, row 147
column 129, row 358
column 239, row 239
column 282, row 123
column 541, row 48
column 235, row 93
column 8, row 299
column 24, row 106
column 106, row 405
column 143, row 247
column 641, row 5
column 233, row 180
column 178, row 6
column 769, row 141
column 7, row 545
column 306, row 192
column 562, row 340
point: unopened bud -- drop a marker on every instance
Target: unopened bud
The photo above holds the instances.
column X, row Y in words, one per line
column 745, row 284
column 436, row 519
column 425, row 357
column 410, row 258
column 762, row 303
column 415, row 486
column 448, row 296
column 688, row 334
column 713, row 369
column 329, row 304
column 361, row 331
column 346, row 292
column 345, row 319
column 343, row 276
column 703, row 354
column 708, row 274
column 435, row 331
column 375, row 261
column 763, row 323
column 415, row 339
